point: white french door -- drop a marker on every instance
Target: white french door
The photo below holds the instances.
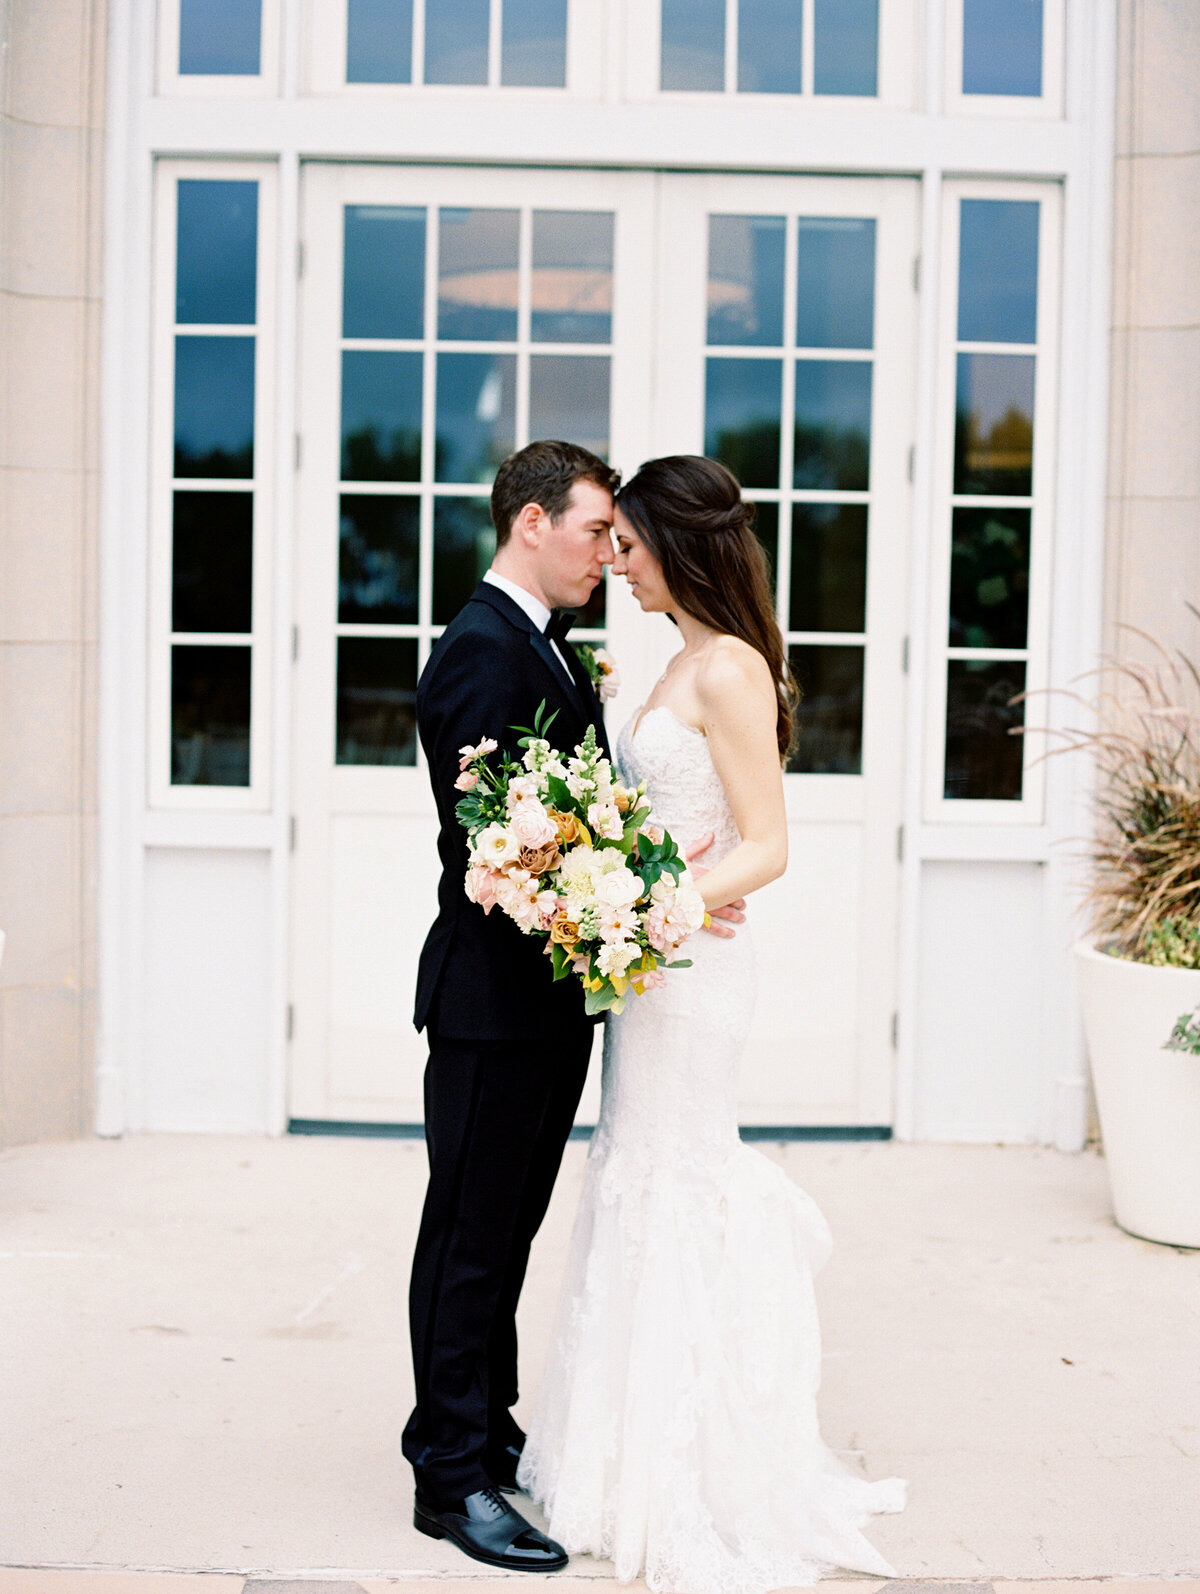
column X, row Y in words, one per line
column 449, row 315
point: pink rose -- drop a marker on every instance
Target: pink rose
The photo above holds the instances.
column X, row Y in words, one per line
column 467, row 781
column 480, row 885
column 656, row 929
column 531, row 826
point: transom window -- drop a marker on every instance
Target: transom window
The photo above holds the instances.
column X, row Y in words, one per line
column 517, row 43
column 770, row 46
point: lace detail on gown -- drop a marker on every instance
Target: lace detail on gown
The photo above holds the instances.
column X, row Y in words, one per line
column 675, row 1430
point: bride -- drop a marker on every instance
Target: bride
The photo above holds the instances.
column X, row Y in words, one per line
column 675, row 1431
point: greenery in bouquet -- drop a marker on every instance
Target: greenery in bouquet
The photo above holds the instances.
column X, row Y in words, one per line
column 568, row 852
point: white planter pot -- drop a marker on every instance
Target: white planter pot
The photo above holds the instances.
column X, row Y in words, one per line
column 1148, row 1099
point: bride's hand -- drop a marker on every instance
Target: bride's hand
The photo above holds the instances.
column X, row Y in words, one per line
column 733, row 912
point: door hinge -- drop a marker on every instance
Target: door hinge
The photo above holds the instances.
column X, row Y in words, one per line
column 291, row 1021
column 296, row 645
column 916, row 273
column 299, row 257
column 299, row 450
column 895, row 1029
column 912, row 462
column 899, row 843
column 903, row 655
column 292, row 834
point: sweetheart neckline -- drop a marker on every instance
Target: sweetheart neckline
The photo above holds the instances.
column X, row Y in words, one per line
column 643, row 714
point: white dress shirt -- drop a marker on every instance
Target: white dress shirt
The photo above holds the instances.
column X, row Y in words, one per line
column 533, row 607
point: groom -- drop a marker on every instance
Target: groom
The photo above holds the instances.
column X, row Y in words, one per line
column 508, row 1050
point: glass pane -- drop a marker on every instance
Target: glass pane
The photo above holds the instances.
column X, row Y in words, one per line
column 214, row 406
column 745, row 279
column 829, row 567
column 993, row 432
column 220, row 37
column 742, row 400
column 210, row 715
column 383, row 280
column 982, row 759
column 476, row 415
column 377, row 700
column 835, row 283
column 379, row 552
column 591, row 616
column 572, row 287
column 846, row 47
column 833, row 424
column 829, row 719
column 456, row 41
column 766, row 529
column 381, row 416
column 997, row 271
column 477, row 274
column 379, row 41
column 534, row 43
column 568, row 397
column 989, row 578
column 1002, row 47
column 693, row 44
column 212, row 561
column 769, row 47
column 464, row 541
column 217, row 252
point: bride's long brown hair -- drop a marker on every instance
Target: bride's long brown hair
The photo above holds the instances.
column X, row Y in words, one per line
column 689, row 512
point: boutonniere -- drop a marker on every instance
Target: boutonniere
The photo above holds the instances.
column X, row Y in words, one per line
column 601, row 667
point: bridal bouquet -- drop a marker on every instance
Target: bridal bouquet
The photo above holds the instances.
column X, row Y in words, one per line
column 568, row 852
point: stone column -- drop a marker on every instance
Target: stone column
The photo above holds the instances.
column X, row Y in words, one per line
column 51, row 167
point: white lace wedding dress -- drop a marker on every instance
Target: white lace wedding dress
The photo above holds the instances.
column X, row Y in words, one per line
column 675, row 1430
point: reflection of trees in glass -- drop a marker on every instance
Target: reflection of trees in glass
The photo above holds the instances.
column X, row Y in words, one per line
column 751, row 452
column 832, row 456
column 377, row 560
column 372, row 454
column 376, row 701
column 989, row 578
column 463, row 545
column 982, row 759
column 212, row 561
column 999, row 460
column 210, row 716
column 230, row 462
column 829, row 718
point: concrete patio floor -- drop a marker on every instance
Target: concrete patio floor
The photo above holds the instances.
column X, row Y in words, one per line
column 204, row 1363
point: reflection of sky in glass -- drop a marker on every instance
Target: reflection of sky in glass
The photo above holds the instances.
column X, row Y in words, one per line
column 376, row 700
column 835, row 290
column 741, row 418
column 569, row 397
column 215, row 270
column 464, row 541
column 214, row 406
column 219, row 37
column 998, row 270
column 982, row 760
column 383, row 282
column 533, row 49
column 379, row 41
column 379, row 547
column 769, row 46
column 693, row 44
column 833, row 424
column 210, row 715
column 456, row 41
column 846, row 47
column 381, row 415
column 1002, row 47
column 571, row 290
column 993, row 440
column 829, row 719
column 477, row 274
column 829, row 567
column 212, row 561
column 476, row 415
column 745, row 279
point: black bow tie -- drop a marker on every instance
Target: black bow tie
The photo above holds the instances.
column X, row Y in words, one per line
column 559, row 623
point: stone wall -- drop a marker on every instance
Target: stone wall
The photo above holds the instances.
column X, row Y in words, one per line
column 51, row 174
column 1153, row 560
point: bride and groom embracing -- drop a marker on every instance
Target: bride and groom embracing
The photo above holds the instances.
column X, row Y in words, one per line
column 675, row 1430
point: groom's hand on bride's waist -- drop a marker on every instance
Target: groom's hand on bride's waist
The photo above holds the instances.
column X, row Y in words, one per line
column 720, row 920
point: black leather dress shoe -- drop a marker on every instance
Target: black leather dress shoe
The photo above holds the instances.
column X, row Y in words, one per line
column 501, row 1468
column 485, row 1527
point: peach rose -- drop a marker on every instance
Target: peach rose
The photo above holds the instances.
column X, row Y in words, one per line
column 539, row 860
column 564, row 932
column 569, row 829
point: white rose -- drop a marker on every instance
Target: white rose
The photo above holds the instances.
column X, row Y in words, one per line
column 619, row 888
column 495, row 846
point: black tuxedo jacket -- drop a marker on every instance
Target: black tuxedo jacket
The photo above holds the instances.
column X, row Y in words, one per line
column 479, row 978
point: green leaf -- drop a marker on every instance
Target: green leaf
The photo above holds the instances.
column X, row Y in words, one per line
column 561, row 960
column 680, row 963
column 599, row 1001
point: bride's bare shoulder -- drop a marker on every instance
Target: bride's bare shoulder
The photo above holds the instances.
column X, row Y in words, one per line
column 732, row 674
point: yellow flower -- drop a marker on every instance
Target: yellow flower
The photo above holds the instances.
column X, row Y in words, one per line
column 564, row 932
column 570, row 829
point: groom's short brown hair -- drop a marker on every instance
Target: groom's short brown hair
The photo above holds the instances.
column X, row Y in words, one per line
column 544, row 473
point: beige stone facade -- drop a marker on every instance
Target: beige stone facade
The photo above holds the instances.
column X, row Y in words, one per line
column 51, row 181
